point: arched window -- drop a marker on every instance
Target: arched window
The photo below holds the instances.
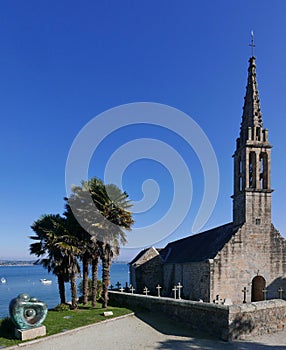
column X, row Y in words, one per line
column 263, row 159
column 252, row 170
column 257, row 137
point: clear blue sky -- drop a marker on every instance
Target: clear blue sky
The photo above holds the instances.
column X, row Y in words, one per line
column 64, row 62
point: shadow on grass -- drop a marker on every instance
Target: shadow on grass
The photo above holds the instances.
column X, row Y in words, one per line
column 7, row 329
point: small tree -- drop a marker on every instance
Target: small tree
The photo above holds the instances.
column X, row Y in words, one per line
column 98, row 288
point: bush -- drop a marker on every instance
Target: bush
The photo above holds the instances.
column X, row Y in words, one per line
column 99, row 289
column 7, row 328
column 62, row 307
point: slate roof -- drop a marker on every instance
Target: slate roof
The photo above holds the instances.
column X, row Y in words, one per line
column 199, row 247
column 143, row 251
column 138, row 256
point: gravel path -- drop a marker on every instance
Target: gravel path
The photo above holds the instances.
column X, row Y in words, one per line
column 146, row 331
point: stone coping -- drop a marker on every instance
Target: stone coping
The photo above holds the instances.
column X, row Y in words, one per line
column 182, row 302
column 258, row 305
column 235, row 308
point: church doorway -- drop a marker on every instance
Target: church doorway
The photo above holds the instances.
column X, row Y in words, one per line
column 258, row 285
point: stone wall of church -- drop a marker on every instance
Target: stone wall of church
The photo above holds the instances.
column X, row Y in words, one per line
column 146, row 271
column 147, row 275
column 258, row 207
column 277, row 264
column 254, row 250
column 195, row 278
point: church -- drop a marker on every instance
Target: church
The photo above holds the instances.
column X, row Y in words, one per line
column 241, row 261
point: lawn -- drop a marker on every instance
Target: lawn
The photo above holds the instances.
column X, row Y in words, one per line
column 61, row 321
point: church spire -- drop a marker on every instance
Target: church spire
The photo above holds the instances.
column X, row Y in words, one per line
column 252, row 116
column 252, row 168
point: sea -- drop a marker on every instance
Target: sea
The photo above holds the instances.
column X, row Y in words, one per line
column 26, row 279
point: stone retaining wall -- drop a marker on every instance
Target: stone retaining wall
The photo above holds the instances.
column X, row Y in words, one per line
column 257, row 318
column 224, row 322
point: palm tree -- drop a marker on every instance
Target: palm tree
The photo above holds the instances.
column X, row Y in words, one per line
column 60, row 249
column 47, row 237
column 102, row 210
column 112, row 204
column 88, row 244
column 82, row 237
column 69, row 246
column 94, row 275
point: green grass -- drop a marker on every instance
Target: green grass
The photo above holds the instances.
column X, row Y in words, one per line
column 61, row 321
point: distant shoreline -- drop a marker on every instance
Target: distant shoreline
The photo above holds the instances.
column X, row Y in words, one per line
column 32, row 263
column 6, row 265
column 16, row 263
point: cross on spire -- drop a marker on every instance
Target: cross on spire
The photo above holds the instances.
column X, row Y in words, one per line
column 252, row 43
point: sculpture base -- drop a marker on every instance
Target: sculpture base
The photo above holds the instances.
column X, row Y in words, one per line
column 26, row 334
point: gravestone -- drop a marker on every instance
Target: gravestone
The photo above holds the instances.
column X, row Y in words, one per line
column 227, row 301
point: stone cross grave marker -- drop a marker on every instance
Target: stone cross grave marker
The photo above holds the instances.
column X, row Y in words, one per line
column 217, row 299
column 121, row 289
column 175, row 291
column 179, row 287
column 132, row 289
column 118, row 285
column 264, row 291
column 159, row 290
column 146, row 291
column 244, row 291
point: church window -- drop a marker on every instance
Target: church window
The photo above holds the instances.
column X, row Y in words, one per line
column 263, row 170
column 261, row 164
column 257, row 221
column 257, row 134
column 252, row 170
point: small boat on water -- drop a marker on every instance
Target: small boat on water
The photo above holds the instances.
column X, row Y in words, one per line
column 3, row 280
column 45, row 281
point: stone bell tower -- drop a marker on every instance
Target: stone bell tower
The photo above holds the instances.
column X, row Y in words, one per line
column 252, row 188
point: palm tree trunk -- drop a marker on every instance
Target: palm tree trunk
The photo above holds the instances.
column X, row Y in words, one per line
column 85, row 291
column 106, row 262
column 94, row 280
column 73, row 291
column 62, row 292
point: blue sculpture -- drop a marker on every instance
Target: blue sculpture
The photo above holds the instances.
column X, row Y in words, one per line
column 26, row 312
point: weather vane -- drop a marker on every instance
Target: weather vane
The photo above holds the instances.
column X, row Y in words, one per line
column 252, row 43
